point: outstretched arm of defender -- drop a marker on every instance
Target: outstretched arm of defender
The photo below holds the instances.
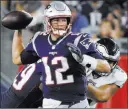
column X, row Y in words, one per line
column 102, row 93
column 88, row 61
column 95, row 64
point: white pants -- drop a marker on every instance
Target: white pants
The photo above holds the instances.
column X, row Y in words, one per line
column 51, row 103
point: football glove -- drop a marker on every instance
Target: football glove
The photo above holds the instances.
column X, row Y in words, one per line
column 76, row 52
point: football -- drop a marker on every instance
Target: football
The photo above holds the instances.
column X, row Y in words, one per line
column 17, row 20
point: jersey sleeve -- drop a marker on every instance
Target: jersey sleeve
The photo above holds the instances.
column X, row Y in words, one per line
column 29, row 54
column 87, row 46
column 28, row 57
column 120, row 76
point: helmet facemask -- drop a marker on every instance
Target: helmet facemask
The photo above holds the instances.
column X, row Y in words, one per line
column 60, row 32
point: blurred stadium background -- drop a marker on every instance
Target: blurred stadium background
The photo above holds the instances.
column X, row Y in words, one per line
column 104, row 18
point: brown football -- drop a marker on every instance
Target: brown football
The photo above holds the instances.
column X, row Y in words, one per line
column 17, row 20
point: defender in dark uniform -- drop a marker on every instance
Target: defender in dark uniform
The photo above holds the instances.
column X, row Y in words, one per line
column 24, row 92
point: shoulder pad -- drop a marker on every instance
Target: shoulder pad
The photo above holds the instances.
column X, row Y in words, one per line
column 38, row 34
column 75, row 34
column 43, row 33
column 86, row 40
column 85, row 35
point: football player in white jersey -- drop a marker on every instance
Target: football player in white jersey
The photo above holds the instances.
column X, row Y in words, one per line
column 102, row 86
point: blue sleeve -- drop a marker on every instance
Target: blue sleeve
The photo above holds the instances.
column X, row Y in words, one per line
column 87, row 46
column 29, row 47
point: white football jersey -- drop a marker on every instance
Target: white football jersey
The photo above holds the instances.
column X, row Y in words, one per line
column 118, row 77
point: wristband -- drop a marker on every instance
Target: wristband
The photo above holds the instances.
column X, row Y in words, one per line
column 89, row 62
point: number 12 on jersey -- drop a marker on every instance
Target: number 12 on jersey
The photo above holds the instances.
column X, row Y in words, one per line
column 58, row 71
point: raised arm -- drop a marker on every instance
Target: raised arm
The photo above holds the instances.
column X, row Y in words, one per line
column 96, row 64
column 21, row 55
column 88, row 61
column 17, row 47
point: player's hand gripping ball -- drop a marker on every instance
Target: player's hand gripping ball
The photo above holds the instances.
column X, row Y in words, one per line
column 16, row 20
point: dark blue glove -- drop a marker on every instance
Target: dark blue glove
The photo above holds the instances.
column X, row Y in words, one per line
column 76, row 52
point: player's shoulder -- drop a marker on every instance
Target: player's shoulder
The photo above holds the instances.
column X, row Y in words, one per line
column 82, row 38
column 38, row 34
column 42, row 33
column 85, row 35
column 82, row 35
column 85, row 38
column 119, row 74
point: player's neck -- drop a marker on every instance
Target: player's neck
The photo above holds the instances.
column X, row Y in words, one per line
column 55, row 37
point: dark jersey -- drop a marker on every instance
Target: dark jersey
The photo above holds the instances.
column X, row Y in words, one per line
column 33, row 99
column 25, row 82
column 63, row 77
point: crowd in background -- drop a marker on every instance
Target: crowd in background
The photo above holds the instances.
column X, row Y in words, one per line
column 100, row 18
